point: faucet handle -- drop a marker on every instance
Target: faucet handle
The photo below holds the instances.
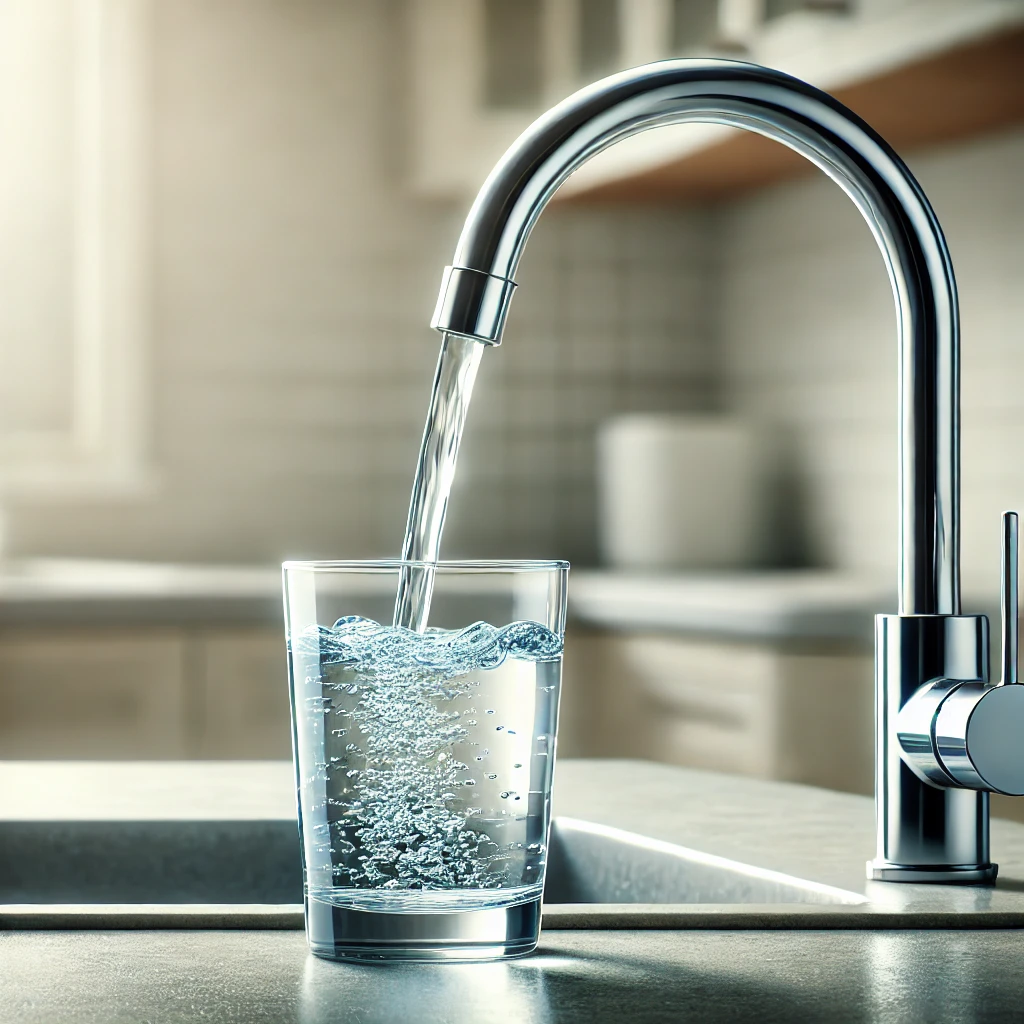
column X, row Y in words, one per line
column 979, row 727
column 1008, row 603
column 971, row 733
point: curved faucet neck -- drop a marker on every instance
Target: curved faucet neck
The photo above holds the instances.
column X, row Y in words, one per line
column 477, row 288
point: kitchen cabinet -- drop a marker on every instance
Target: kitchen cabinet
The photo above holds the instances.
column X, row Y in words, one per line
column 245, row 695
column 144, row 693
column 92, row 693
column 964, row 92
column 920, row 71
column 800, row 712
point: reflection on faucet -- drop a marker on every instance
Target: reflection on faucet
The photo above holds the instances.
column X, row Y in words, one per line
column 930, row 827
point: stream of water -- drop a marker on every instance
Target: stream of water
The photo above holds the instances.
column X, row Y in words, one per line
column 439, row 450
column 425, row 755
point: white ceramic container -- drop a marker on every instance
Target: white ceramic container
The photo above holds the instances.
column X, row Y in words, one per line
column 678, row 492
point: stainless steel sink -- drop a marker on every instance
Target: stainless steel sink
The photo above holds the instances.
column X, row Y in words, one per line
column 202, row 844
column 191, row 874
column 590, row 863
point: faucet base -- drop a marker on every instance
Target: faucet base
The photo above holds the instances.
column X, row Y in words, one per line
column 967, row 874
column 926, row 832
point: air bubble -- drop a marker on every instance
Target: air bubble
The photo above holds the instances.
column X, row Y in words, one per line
column 403, row 806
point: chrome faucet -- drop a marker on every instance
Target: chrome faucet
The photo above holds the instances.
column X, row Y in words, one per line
column 944, row 737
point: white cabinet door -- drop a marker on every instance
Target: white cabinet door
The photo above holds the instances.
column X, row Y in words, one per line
column 801, row 714
column 89, row 694
column 244, row 688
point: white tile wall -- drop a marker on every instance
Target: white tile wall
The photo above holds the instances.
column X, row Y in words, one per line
column 605, row 320
column 293, row 281
column 293, row 277
column 807, row 331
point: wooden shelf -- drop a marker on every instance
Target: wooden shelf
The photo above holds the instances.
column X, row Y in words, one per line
column 966, row 91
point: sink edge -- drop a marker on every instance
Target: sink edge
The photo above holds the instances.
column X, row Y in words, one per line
column 556, row 917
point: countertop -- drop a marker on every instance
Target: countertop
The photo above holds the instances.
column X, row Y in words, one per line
column 587, row 977
column 857, row 974
column 84, row 592
column 780, row 605
column 796, row 604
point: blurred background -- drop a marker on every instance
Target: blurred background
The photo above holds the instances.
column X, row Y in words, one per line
column 222, row 229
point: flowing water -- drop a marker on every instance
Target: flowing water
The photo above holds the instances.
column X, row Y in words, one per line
column 425, row 755
column 439, row 450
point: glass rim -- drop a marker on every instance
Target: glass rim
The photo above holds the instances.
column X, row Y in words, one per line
column 385, row 565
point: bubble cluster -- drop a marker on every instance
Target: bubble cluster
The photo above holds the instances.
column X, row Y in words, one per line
column 396, row 811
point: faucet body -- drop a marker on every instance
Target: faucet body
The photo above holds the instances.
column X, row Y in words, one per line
column 930, row 827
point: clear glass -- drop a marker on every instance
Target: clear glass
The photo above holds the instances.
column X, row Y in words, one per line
column 424, row 761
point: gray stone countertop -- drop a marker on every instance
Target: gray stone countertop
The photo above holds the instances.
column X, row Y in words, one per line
column 93, row 592
column 794, row 605
column 575, row 976
column 97, row 592
column 803, row 605
column 639, row 975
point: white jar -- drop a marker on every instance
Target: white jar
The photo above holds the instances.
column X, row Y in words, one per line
column 678, row 492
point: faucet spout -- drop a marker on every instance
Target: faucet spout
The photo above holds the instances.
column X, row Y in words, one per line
column 477, row 288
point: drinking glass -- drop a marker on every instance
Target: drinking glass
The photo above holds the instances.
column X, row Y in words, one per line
column 424, row 760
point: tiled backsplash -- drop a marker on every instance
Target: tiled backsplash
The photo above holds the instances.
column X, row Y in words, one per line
column 807, row 327
column 608, row 317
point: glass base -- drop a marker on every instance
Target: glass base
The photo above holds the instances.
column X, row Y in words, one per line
column 341, row 933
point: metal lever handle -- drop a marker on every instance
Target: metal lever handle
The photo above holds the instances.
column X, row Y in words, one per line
column 1008, row 603
column 967, row 733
